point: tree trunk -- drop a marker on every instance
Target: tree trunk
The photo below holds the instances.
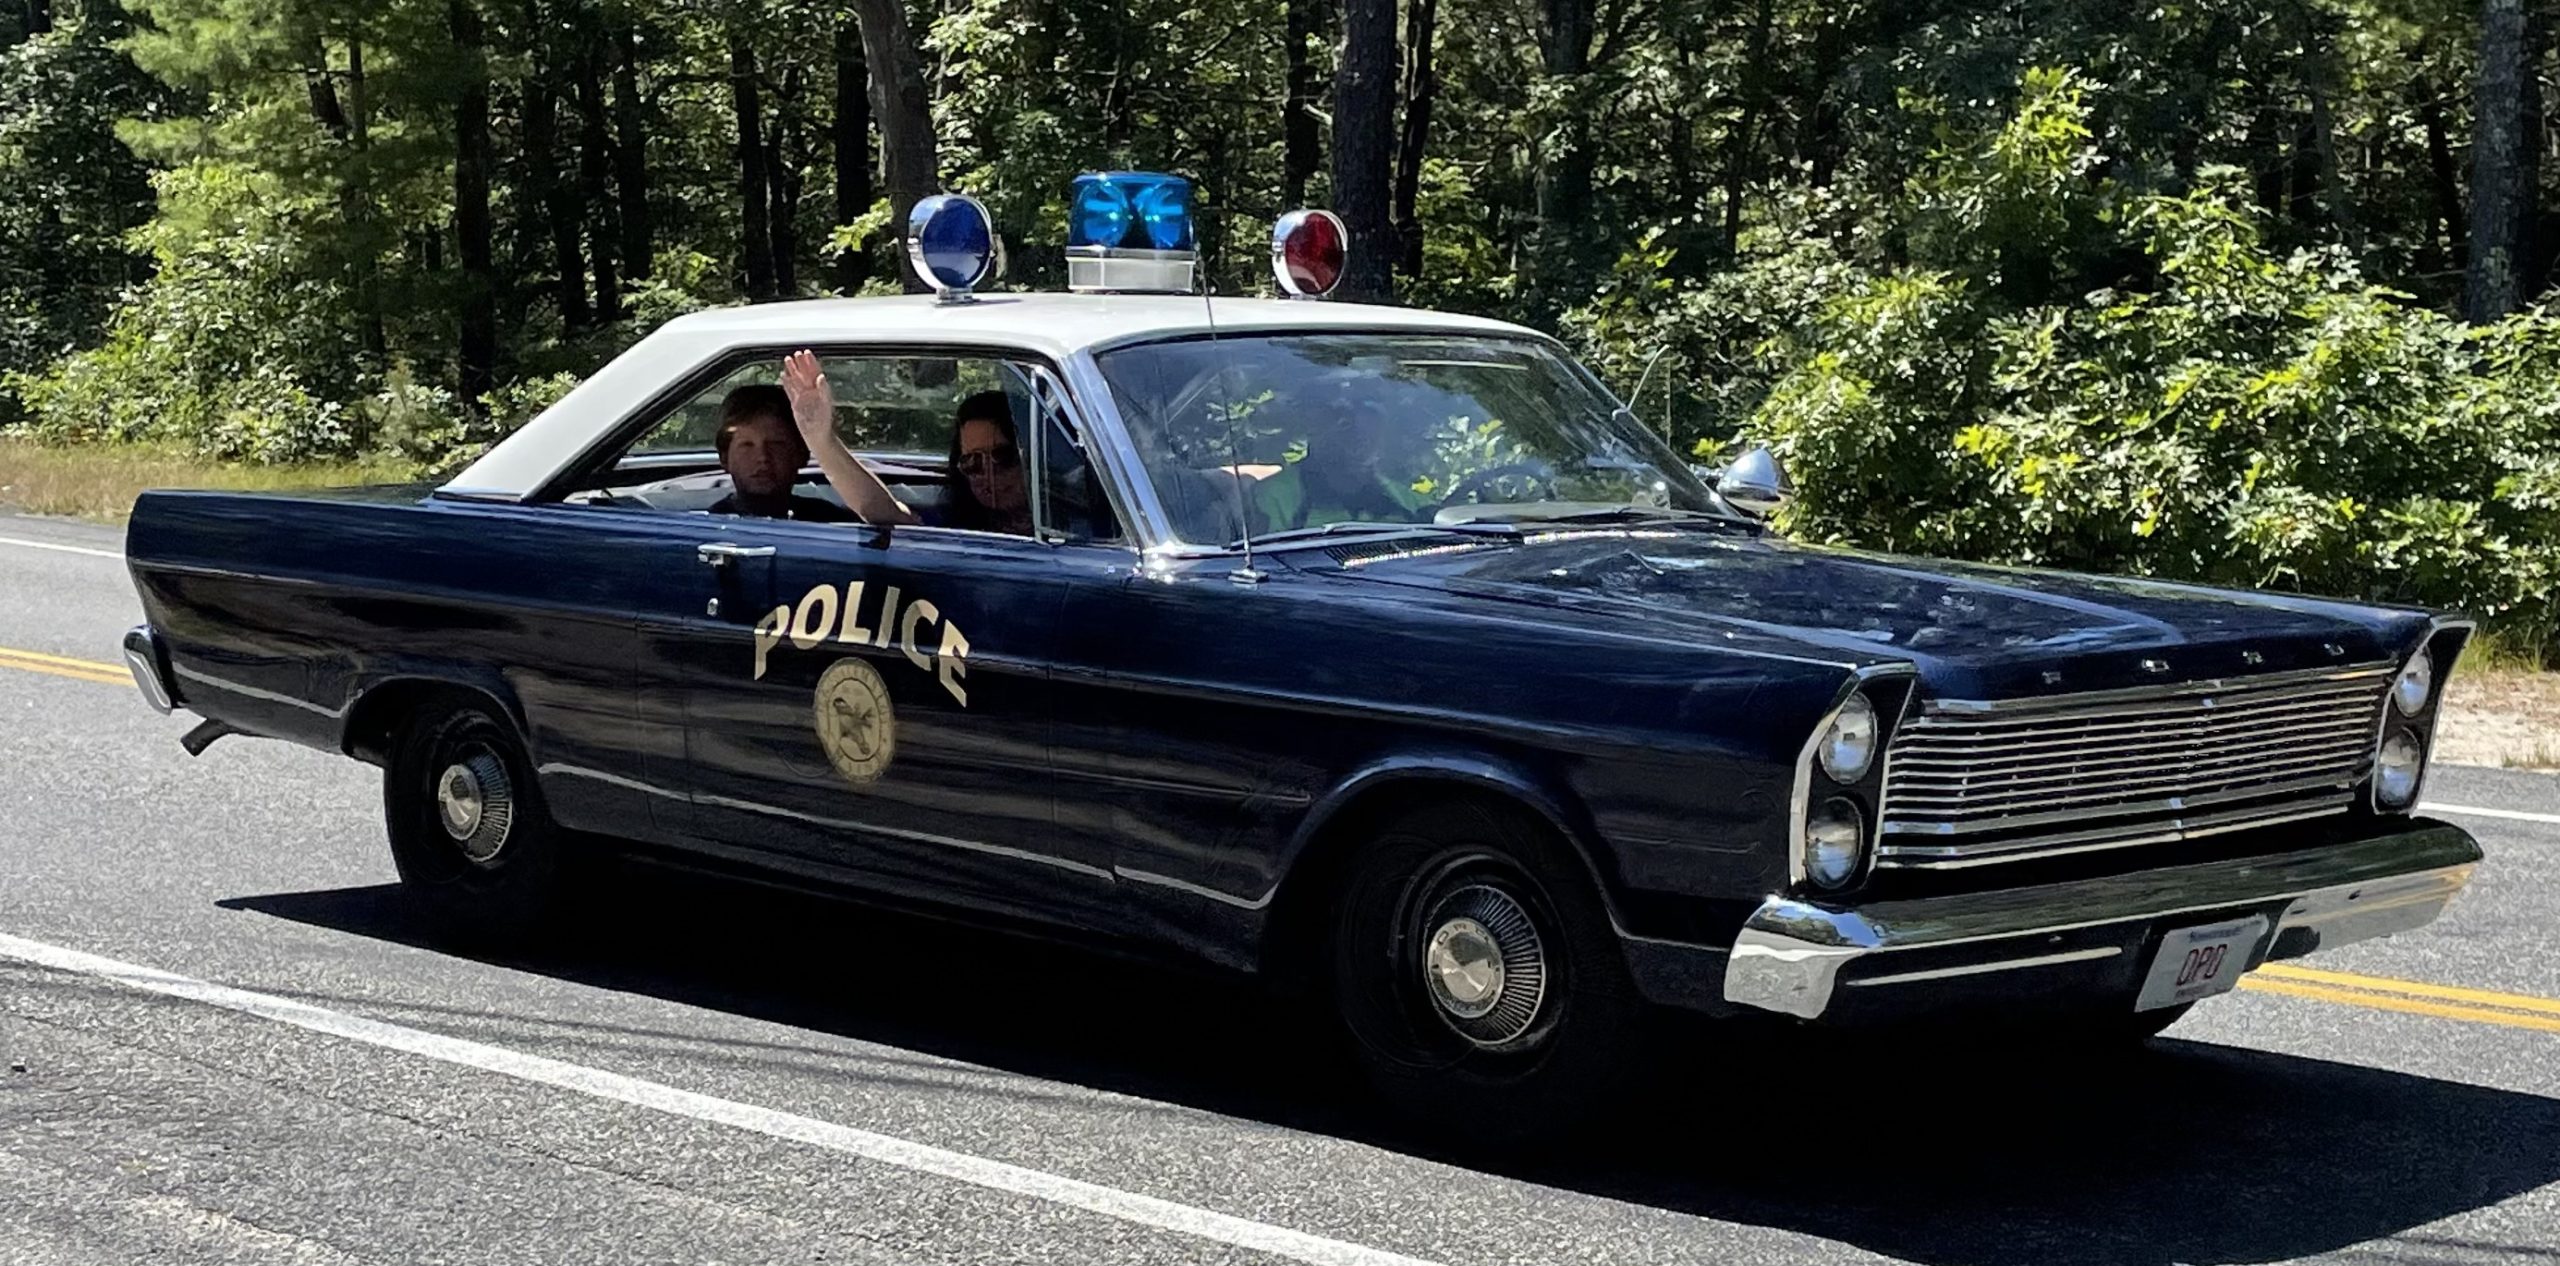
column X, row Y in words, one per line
column 478, row 351
column 2502, row 165
column 1363, row 138
column 1819, row 146
column 1301, row 143
column 631, row 152
column 358, row 201
column 595, row 163
column 852, row 144
column 2445, row 181
column 1421, row 84
column 755, row 223
column 1755, row 92
column 906, row 117
column 1563, row 187
column 782, row 170
column 557, row 198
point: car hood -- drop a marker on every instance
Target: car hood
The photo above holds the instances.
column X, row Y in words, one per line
column 1974, row 630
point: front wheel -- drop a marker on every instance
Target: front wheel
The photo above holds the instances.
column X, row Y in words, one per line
column 1477, row 975
column 469, row 832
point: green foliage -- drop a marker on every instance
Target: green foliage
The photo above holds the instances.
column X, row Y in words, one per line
column 72, row 188
column 2152, row 288
column 2251, row 419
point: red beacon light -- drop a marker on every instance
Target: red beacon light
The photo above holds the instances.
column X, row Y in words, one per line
column 1307, row 251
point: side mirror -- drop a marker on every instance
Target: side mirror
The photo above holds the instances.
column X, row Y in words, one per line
column 1754, row 483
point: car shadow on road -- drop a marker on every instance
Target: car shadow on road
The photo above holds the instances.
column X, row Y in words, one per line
column 2188, row 1153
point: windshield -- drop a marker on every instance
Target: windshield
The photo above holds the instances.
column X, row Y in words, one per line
column 1310, row 431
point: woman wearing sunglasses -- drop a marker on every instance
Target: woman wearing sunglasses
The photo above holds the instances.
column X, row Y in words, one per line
column 988, row 492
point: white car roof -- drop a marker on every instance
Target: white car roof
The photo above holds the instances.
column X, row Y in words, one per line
column 1057, row 326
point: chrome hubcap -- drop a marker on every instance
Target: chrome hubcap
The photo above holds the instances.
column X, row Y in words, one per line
column 458, row 799
column 1466, row 967
column 1484, row 965
column 475, row 805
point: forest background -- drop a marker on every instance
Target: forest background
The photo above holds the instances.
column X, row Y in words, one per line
column 2249, row 293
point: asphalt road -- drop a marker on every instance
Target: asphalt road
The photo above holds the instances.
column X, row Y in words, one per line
column 222, row 1039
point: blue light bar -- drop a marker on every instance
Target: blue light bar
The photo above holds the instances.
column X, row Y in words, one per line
column 1130, row 210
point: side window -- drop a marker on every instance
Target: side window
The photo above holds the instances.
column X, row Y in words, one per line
column 1070, row 500
column 909, row 418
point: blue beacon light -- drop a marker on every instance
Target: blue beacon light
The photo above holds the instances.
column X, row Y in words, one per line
column 1130, row 231
column 952, row 243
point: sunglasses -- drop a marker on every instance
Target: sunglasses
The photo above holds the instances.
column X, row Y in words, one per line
column 986, row 461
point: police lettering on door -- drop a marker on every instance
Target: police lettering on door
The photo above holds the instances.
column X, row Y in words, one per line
column 829, row 616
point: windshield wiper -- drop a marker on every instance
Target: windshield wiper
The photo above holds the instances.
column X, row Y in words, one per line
column 1502, row 531
column 1638, row 514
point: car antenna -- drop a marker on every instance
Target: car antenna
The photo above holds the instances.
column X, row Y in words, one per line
column 1247, row 574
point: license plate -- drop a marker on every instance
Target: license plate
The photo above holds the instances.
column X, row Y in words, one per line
column 2199, row 962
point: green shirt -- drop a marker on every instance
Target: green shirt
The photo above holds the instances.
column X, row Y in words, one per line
column 1283, row 503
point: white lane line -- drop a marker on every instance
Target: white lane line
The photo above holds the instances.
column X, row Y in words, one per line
column 2475, row 811
column 23, row 543
column 977, row 1171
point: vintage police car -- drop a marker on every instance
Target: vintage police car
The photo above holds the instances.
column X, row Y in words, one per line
column 1496, row 722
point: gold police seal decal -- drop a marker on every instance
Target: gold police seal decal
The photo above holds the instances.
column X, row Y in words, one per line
column 855, row 724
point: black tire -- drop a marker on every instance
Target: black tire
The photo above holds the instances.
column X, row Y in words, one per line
column 1552, row 1046
column 499, row 883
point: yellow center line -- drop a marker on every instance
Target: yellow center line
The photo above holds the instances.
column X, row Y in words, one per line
column 62, row 661
column 63, row 666
column 2395, row 1002
column 2411, row 988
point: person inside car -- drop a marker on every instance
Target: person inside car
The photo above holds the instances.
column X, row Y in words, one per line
column 763, row 455
column 1339, row 480
column 989, row 490
column 810, row 404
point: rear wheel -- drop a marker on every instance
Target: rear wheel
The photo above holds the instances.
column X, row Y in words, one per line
column 1478, row 977
column 470, row 835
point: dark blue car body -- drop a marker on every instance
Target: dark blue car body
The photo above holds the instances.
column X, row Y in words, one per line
column 1184, row 749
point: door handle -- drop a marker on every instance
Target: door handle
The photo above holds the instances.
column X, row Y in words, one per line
column 720, row 553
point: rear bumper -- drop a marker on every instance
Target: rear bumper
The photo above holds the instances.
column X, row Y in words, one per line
column 149, row 662
column 2088, row 936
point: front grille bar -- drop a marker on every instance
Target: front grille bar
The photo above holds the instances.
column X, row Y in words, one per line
column 1969, row 783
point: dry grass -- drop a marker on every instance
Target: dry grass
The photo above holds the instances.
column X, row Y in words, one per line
column 100, row 482
column 2501, row 715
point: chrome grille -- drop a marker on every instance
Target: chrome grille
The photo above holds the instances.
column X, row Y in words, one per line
column 1968, row 784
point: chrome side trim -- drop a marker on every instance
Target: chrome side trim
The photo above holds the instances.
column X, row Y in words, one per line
column 1790, row 953
column 1978, row 969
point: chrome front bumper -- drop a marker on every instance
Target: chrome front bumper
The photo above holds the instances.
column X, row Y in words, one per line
column 1794, row 956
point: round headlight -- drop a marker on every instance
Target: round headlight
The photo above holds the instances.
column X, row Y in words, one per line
column 2395, row 776
column 2417, row 678
column 1834, row 841
column 1849, row 746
